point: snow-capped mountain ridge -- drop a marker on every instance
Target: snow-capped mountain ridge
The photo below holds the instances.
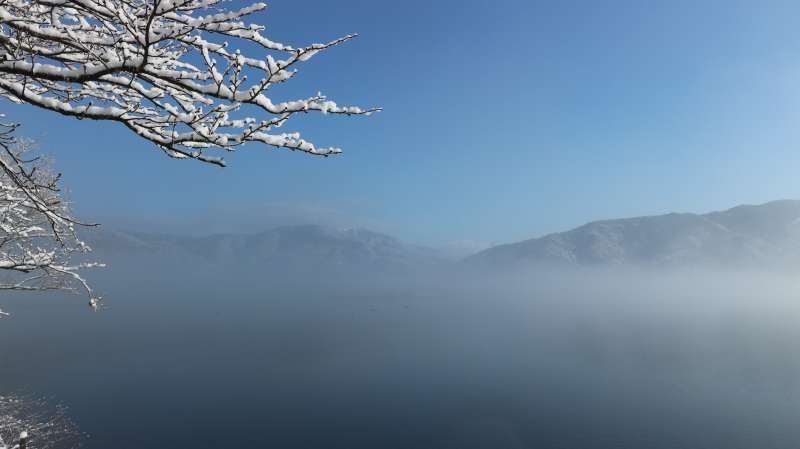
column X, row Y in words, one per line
column 766, row 234
column 291, row 248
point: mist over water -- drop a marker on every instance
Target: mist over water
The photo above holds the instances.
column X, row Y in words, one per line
column 595, row 359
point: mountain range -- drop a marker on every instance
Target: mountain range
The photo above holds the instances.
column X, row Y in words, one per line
column 309, row 249
column 748, row 235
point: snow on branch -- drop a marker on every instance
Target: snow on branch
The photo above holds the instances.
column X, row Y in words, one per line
column 44, row 424
column 37, row 234
column 166, row 69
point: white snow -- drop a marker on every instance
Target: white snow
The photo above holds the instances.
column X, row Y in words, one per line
column 177, row 76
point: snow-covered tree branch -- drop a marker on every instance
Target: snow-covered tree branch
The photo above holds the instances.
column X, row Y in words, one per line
column 46, row 425
column 189, row 76
column 37, row 234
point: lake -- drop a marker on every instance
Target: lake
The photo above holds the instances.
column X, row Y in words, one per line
column 584, row 362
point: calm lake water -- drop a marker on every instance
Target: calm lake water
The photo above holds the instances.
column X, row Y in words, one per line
column 594, row 364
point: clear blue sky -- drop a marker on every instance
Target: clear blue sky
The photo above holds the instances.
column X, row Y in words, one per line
column 504, row 120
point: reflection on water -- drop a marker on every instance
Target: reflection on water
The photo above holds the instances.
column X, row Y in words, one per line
column 580, row 362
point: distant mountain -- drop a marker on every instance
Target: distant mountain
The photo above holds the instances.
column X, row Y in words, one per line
column 762, row 235
column 766, row 236
column 297, row 249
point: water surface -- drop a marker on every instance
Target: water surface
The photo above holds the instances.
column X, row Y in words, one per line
column 589, row 362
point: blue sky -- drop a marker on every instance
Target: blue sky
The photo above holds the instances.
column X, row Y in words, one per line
column 503, row 120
